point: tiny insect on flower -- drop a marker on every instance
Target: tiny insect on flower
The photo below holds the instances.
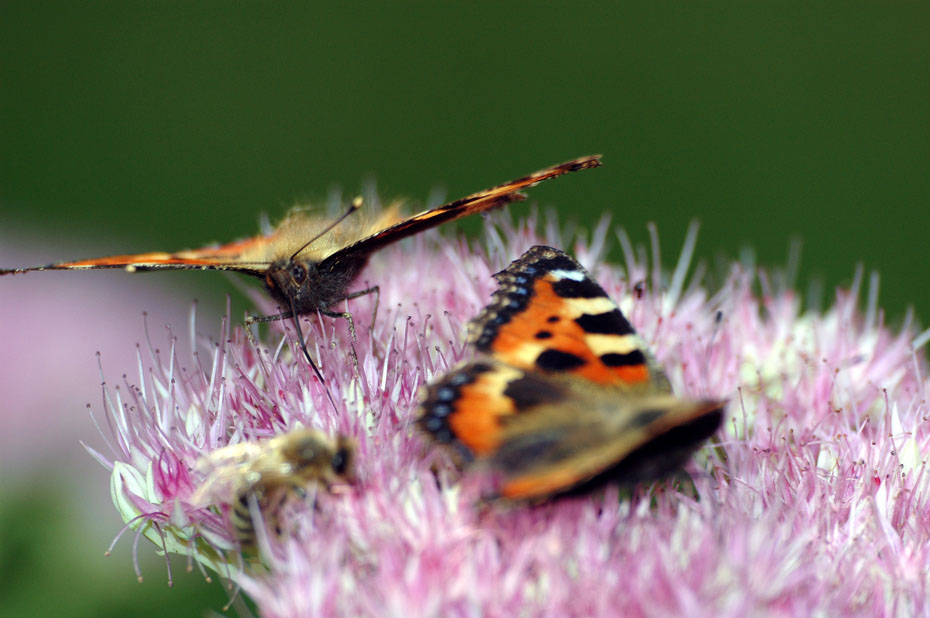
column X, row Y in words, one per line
column 264, row 474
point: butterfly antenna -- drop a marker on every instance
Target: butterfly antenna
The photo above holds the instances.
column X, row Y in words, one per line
column 353, row 206
column 303, row 346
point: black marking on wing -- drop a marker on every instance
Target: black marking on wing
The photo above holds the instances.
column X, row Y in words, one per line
column 608, row 323
column 587, row 288
column 523, row 449
column 553, row 260
column 646, row 417
column 556, row 360
column 612, row 359
column 530, row 391
column 516, row 291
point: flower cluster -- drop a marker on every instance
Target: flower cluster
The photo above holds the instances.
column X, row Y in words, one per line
column 814, row 499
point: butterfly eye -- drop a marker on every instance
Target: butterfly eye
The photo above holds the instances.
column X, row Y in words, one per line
column 298, row 273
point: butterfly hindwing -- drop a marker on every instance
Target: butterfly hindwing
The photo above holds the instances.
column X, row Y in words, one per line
column 467, row 407
column 591, row 437
column 543, row 434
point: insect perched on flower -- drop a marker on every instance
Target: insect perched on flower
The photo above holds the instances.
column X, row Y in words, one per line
column 308, row 263
column 565, row 394
column 258, row 477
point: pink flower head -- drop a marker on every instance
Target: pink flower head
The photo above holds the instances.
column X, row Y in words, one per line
column 814, row 501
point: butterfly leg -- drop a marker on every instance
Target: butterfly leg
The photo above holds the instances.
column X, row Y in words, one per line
column 372, row 290
column 259, row 319
column 348, row 318
column 254, row 319
column 374, row 314
column 284, row 315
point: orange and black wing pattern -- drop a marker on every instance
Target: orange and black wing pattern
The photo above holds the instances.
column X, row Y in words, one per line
column 550, row 315
column 565, row 395
column 246, row 256
column 481, row 201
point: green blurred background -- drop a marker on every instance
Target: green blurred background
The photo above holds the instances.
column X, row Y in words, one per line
column 135, row 126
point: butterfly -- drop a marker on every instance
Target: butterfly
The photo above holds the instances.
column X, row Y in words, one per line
column 564, row 395
column 263, row 474
column 308, row 264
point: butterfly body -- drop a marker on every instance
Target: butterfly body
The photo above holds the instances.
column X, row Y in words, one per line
column 564, row 394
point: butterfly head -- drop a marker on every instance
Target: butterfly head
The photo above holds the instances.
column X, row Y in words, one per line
column 306, row 286
column 286, row 279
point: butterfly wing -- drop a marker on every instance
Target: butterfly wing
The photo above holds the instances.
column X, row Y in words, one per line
column 589, row 438
column 477, row 202
column 543, row 434
column 567, row 394
column 550, row 315
column 254, row 255
column 247, row 256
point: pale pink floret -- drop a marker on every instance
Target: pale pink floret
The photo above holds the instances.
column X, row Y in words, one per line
column 816, row 503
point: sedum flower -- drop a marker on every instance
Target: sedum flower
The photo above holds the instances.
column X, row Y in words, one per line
column 813, row 501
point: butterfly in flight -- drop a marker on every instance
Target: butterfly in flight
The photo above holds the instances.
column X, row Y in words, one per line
column 264, row 474
column 564, row 395
column 308, row 263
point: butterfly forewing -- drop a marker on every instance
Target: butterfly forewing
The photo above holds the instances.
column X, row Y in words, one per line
column 245, row 256
column 481, row 201
column 550, row 315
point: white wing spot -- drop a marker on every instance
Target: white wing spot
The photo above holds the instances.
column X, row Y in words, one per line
column 574, row 275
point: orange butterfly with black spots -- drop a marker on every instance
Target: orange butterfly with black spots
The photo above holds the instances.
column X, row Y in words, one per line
column 564, row 396
column 308, row 264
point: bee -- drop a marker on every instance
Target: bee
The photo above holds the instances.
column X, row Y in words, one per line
column 264, row 474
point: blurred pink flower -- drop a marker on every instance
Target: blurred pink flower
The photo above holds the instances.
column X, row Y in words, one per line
column 815, row 502
column 52, row 324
